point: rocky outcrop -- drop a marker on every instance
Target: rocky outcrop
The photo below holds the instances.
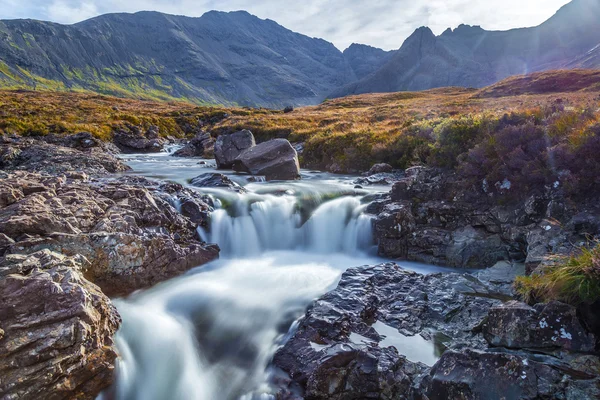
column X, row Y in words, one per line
column 35, row 155
column 359, row 340
column 128, row 228
column 229, row 147
column 56, row 329
column 202, row 145
column 436, row 217
column 217, row 180
column 275, row 160
column 133, row 140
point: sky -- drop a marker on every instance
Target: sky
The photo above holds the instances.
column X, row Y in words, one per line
column 379, row 23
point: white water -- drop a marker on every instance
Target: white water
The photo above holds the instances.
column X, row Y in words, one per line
column 209, row 335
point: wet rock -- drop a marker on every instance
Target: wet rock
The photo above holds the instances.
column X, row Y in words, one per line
column 275, row 159
column 128, row 228
column 475, row 374
column 202, row 145
column 30, row 155
column 544, row 326
column 380, row 168
column 217, row 180
column 322, row 355
column 229, row 147
column 475, row 248
column 132, row 140
column 57, row 329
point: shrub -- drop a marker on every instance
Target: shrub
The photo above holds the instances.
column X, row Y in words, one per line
column 454, row 138
column 571, row 279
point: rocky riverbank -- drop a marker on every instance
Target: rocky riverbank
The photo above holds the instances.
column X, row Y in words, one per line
column 70, row 236
column 359, row 341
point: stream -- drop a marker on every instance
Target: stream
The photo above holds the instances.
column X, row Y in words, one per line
column 210, row 334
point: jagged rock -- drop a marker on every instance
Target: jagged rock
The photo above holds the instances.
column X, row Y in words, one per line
column 473, row 375
column 217, row 180
column 544, row 326
column 133, row 141
column 229, row 147
column 202, row 145
column 380, row 168
column 30, row 155
column 127, row 227
column 275, row 159
column 324, row 359
column 57, row 329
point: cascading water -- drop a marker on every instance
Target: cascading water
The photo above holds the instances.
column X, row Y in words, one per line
column 253, row 226
column 209, row 335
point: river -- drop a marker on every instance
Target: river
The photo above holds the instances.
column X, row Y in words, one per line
column 210, row 334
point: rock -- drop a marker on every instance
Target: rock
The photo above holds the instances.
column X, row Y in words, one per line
column 275, row 159
column 544, row 326
column 133, row 141
column 472, row 375
column 38, row 156
column 128, row 228
column 217, row 180
column 58, row 329
column 475, row 248
column 202, row 145
column 288, row 109
column 380, row 168
column 229, row 147
column 325, row 359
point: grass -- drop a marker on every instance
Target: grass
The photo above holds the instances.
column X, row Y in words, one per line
column 571, row 279
column 440, row 127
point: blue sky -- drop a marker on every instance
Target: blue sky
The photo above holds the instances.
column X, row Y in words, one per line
column 380, row 23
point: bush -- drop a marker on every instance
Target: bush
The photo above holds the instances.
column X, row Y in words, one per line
column 572, row 279
column 453, row 139
column 514, row 158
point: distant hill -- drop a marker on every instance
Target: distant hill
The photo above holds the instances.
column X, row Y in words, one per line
column 223, row 58
column 470, row 56
column 364, row 60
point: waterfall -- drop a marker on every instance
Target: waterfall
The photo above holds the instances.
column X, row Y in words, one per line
column 252, row 226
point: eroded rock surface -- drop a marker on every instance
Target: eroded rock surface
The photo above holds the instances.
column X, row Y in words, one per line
column 56, row 329
column 345, row 346
column 202, row 145
column 134, row 140
column 433, row 216
column 128, row 228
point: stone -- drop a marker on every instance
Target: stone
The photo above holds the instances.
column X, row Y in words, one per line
column 544, row 326
column 275, row 160
column 217, row 180
column 473, row 374
column 128, row 228
column 131, row 140
column 44, row 157
column 229, row 147
column 202, row 145
column 57, row 329
column 380, row 168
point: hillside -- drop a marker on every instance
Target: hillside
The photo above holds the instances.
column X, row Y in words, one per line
column 470, row 56
column 340, row 135
column 220, row 58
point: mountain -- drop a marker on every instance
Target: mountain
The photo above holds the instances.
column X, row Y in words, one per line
column 364, row 60
column 470, row 56
column 225, row 58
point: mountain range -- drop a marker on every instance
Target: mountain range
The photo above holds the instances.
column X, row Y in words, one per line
column 236, row 58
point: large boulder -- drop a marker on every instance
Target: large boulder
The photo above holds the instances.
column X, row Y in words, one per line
column 275, row 160
column 56, row 329
column 202, row 145
column 229, row 147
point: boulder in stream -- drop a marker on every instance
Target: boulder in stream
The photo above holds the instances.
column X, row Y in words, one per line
column 217, row 180
column 275, row 160
column 229, row 147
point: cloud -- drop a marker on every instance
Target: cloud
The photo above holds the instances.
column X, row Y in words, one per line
column 381, row 23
